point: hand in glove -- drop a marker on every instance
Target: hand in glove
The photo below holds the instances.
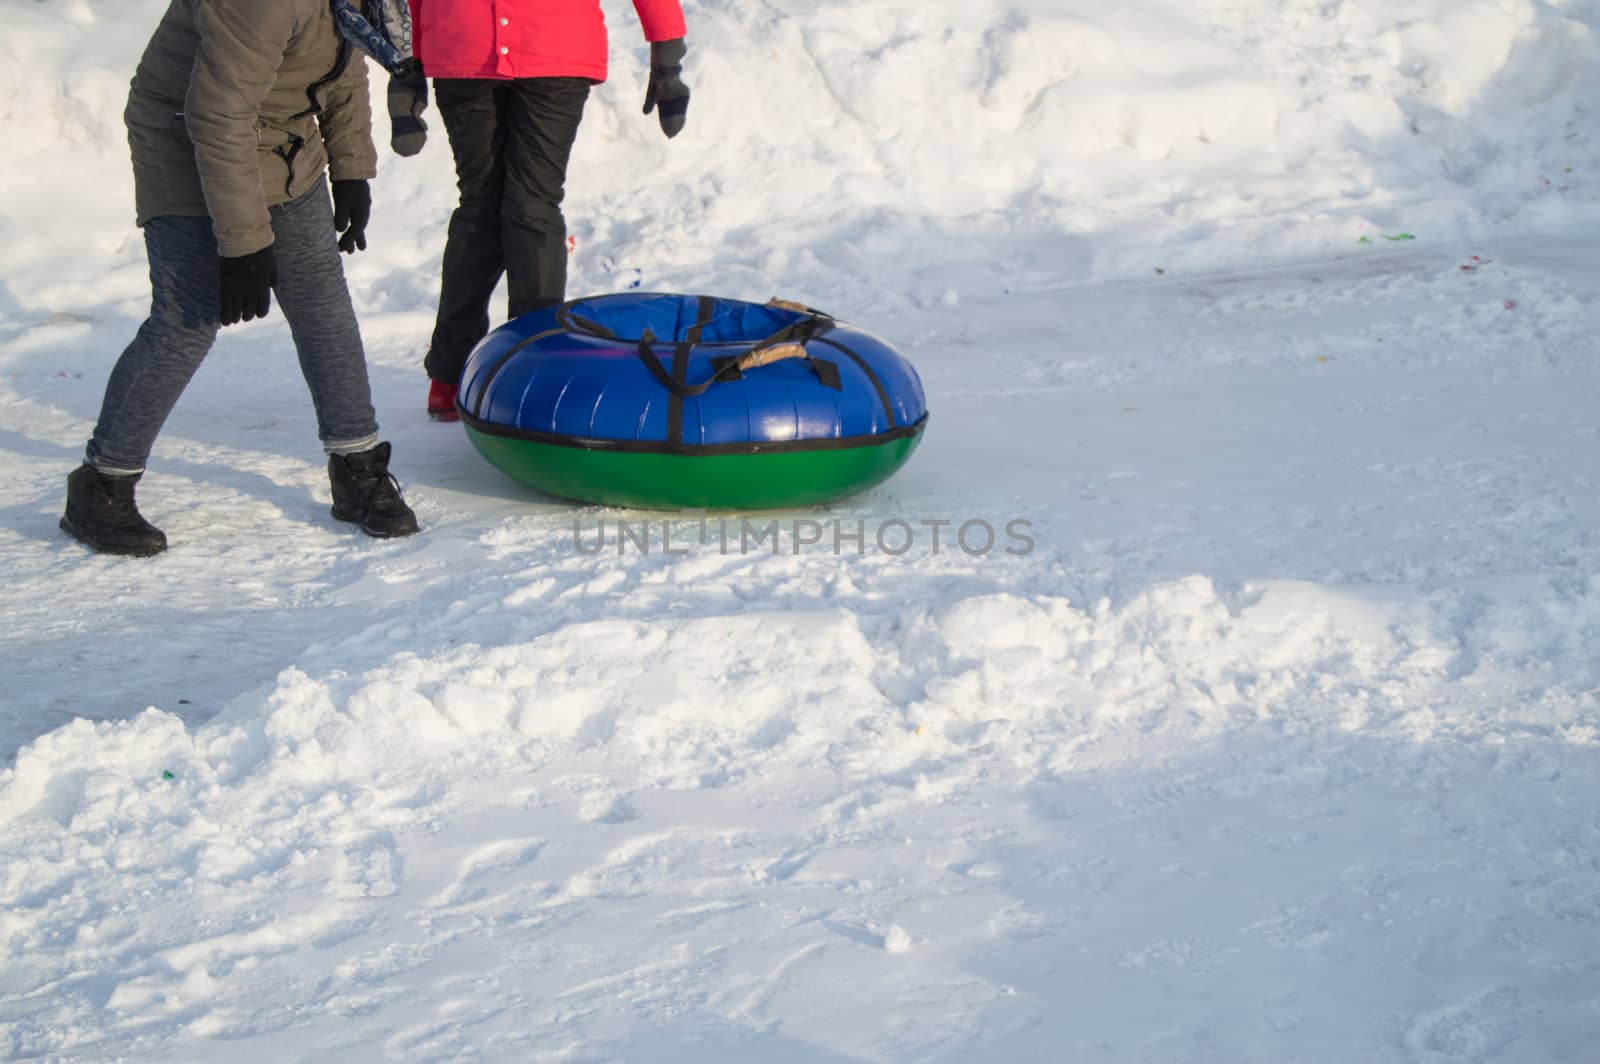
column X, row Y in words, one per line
column 667, row 90
column 352, row 210
column 408, row 98
column 247, row 282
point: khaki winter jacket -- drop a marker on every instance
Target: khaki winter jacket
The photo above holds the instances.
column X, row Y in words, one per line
column 237, row 106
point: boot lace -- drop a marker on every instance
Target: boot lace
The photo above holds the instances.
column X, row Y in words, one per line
column 383, row 493
column 119, row 504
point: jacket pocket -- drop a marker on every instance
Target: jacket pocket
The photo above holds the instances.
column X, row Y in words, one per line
column 178, row 127
column 272, row 138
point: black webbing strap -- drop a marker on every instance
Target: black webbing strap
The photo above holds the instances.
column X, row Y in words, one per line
column 573, row 322
column 814, row 324
column 877, row 382
column 674, row 378
column 827, row 372
column 800, row 333
column 726, row 368
column 705, row 311
column 500, row 364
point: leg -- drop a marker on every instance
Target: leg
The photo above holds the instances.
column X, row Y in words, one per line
column 473, row 258
column 543, row 119
column 316, row 302
column 144, row 387
column 312, row 292
column 169, row 347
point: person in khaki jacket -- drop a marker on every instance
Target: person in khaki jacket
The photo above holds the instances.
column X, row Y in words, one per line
column 240, row 112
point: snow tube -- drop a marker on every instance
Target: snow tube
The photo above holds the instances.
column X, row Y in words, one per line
column 672, row 402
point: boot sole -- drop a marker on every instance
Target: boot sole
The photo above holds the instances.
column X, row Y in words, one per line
column 123, row 552
column 443, row 415
column 376, row 533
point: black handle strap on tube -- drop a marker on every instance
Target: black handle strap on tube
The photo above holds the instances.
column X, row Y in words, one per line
column 814, row 325
column 573, row 322
column 705, row 310
column 732, row 368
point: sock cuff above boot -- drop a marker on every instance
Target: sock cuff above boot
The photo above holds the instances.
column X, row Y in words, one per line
column 349, row 447
column 115, row 471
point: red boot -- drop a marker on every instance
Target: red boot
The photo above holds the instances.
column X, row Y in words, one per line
column 442, row 401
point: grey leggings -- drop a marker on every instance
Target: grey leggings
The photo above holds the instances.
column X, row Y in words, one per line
column 183, row 324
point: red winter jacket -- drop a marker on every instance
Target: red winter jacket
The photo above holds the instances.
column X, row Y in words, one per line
column 525, row 38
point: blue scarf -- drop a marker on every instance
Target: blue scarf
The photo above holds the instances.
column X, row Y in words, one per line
column 380, row 28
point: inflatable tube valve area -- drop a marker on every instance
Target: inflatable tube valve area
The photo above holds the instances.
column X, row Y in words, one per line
column 673, row 402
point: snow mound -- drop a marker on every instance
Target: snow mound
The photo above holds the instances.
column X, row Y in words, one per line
column 663, row 772
column 730, row 694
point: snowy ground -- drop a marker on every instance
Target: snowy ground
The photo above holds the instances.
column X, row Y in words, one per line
column 1280, row 744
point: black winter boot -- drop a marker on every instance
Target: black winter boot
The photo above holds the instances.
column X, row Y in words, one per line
column 365, row 493
column 101, row 513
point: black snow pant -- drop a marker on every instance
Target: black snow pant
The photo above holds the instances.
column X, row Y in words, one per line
column 511, row 140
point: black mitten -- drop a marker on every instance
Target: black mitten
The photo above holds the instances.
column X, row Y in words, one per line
column 666, row 89
column 408, row 98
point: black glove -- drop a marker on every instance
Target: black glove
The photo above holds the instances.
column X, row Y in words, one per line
column 666, row 89
column 408, row 98
column 247, row 282
column 352, row 210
